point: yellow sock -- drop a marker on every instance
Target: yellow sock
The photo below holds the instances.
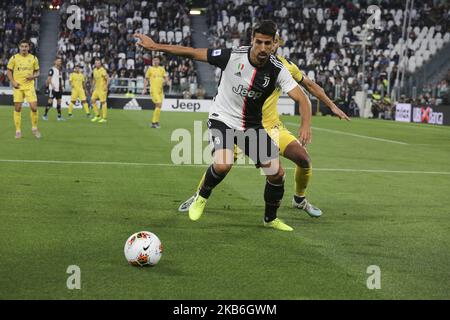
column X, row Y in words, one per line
column 70, row 107
column 302, row 176
column 94, row 106
column 86, row 107
column 18, row 120
column 34, row 119
column 201, row 181
column 104, row 110
column 156, row 115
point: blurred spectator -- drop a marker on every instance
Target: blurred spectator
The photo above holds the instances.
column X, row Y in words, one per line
column 19, row 19
column 319, row 37
column 200, row 93
column 107, row 32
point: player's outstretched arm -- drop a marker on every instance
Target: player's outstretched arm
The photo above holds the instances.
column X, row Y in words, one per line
column 305, row 133
column 320, row 94
column 147, row 43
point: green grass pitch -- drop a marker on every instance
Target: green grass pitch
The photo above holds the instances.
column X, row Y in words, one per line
column 385, row 210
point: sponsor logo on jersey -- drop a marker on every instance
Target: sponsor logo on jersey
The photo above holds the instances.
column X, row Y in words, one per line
column 246, row 93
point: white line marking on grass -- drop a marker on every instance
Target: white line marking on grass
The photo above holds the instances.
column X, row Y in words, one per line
column 144, row 164
column 352, row 134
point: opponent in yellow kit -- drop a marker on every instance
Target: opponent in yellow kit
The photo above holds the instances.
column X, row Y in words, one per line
column 23, row 68
column 76, row 80
column 288, row 144
column 100, row 92
column 156, row 75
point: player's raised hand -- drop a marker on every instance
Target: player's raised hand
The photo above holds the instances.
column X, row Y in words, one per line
column 335, row 109
column 145, row 41
column 304, row 135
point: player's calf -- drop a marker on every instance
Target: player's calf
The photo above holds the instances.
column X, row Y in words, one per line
column 273, row 194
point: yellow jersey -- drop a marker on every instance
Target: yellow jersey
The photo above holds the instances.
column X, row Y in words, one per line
column 156, row 77
column 270, row 115
column 77, row 80
column 100, row 79
column 22, row 68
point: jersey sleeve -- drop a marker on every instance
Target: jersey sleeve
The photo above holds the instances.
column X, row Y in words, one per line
column 35, row 64
column 11, row 63
column 296, row 73
column 50, row 72
column 219, row 57
column 285, row 80
column 147, row 73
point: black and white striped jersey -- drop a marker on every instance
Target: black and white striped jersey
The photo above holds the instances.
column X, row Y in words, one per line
column 56, row 81
column 243, row 87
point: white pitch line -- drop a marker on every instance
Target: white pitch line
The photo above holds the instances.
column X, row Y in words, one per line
column 137, row 164
column 352, row 134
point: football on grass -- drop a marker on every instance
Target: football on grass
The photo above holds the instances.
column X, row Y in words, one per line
column 143, row 249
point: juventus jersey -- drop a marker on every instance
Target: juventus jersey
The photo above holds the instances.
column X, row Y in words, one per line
column 243, row 87
column 56, row 82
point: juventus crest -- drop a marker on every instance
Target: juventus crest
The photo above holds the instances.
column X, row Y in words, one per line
column 266, row 81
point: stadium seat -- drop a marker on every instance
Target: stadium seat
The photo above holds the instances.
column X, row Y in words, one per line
column 286, row 52
column 306, row 12
column 319, row 15
column 178, row 37
column 233, row 21
column 447, row 37
column 170, row 36
column 162, row 36
column 241, row 27
column 225, row 21
column 186, row 30
column 130, row 64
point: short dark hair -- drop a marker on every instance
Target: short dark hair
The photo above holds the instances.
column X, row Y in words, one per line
column 266, row 27
column 25, row 41
column 98, row 58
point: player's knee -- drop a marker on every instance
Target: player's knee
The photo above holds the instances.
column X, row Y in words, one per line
column 222, row 168
column 304, row 162
column 277, row 178
column 301, row 158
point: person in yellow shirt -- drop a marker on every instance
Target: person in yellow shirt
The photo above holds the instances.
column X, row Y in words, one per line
column 77, row 83
column 157, row 76
column 288, row 144
column 23, row 68
column 100, row 92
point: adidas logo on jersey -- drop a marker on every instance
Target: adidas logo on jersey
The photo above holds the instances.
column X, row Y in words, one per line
column 247, row 93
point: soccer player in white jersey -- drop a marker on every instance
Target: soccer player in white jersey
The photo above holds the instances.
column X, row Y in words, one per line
column 249, row 76
column 54, row 84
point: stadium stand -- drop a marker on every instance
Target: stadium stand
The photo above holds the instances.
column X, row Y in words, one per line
column 320, row 37
column 107, row 32
column 19, row 19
